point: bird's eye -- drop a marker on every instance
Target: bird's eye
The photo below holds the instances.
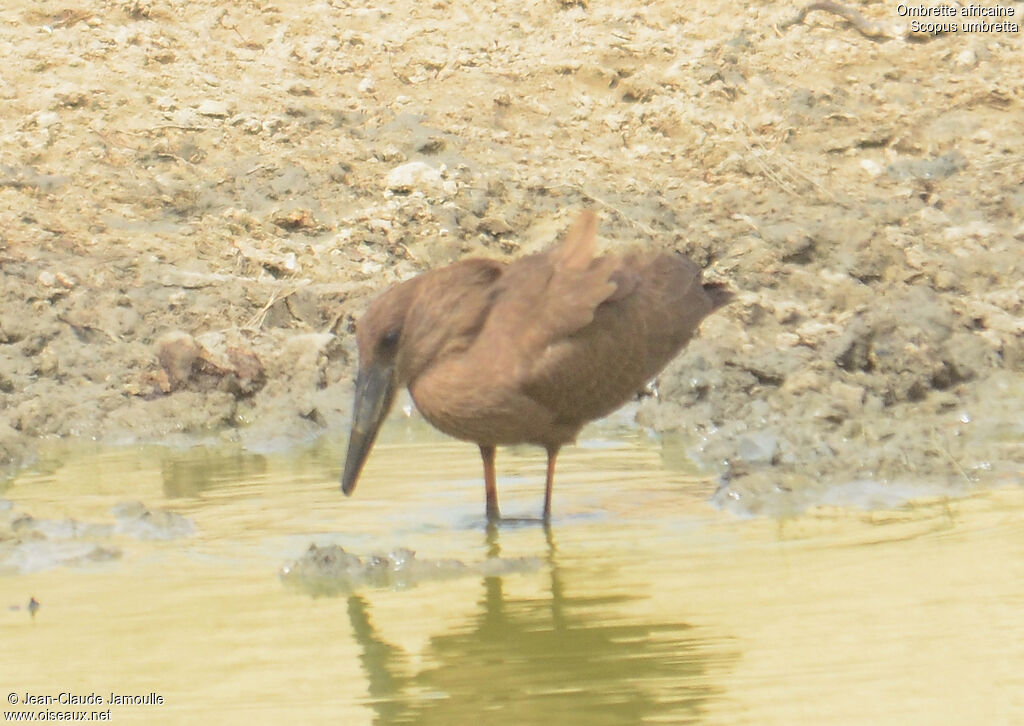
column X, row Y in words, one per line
column 389, row 340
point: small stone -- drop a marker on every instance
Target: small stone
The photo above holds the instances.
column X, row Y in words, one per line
column 758, row 447
column 966, row 59
column 803, row 382
column 177, row 351
column 414, row 176
column 872, row 167
column 214, row 109
column 945, row 280
column 248, row 368
column 849, row 397
column 45, row 119
column 71, row 99
column 294, row 219
column 432, row 145
column 494, row 226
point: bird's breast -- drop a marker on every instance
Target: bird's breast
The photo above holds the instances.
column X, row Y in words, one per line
column 475, row 404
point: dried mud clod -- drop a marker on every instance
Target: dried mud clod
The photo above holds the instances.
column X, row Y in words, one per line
column 177, row 353
column 212, row 364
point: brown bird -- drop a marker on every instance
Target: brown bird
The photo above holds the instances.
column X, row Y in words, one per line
column 526, row 352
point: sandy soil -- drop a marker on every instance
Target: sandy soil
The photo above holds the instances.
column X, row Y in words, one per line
column 197, row 199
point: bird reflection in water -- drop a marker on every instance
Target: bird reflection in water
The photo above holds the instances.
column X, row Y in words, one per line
column 558, row 659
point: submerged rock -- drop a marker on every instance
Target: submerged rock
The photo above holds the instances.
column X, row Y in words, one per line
column 38, row 555
column 30, row 544
column 330, row 570
column 134, row 520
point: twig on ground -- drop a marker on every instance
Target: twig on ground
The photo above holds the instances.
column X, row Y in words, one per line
column 867, row 28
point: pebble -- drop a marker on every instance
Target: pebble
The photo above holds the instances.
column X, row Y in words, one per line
column 758, row 447
column 873, row 168
column 414, row 176
column 945, row 280
column 966, row 59
column 177, row 352
column 787, row 340
column 45, row 119
column 213, row 109
column 495, row 226
column 849, row 397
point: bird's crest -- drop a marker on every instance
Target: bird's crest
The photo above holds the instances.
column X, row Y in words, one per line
column 580, row 242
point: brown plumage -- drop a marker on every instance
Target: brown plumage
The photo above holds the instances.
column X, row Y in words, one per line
column 525, row 352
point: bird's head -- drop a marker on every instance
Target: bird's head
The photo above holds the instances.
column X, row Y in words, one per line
column 411, row 326
column 379, row 339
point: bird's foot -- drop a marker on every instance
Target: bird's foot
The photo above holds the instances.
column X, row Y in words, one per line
column 518, row 521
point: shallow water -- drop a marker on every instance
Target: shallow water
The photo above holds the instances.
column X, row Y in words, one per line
column 645, row 604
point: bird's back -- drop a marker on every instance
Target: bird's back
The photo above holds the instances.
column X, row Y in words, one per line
column 657, row 306
column 568, row 338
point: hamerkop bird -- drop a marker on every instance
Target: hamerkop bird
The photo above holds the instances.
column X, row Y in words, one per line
column 526, row 352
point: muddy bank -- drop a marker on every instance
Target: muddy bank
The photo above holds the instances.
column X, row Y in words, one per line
column 196, row 200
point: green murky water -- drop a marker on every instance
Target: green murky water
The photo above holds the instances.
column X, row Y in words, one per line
column 645, row 604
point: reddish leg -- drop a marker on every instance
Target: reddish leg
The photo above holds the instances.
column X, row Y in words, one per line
column 549, row 483
column 490, row 483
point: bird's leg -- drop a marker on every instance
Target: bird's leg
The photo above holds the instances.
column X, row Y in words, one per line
column 490, row 483
column 550, row 481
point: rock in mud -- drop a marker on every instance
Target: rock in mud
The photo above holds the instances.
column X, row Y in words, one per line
column 177, row 352
column 213, row 361
column 418, row 176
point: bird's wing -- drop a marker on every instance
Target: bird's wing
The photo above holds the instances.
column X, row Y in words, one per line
column 588, row 371
column 549, row 295
column 541, row 326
